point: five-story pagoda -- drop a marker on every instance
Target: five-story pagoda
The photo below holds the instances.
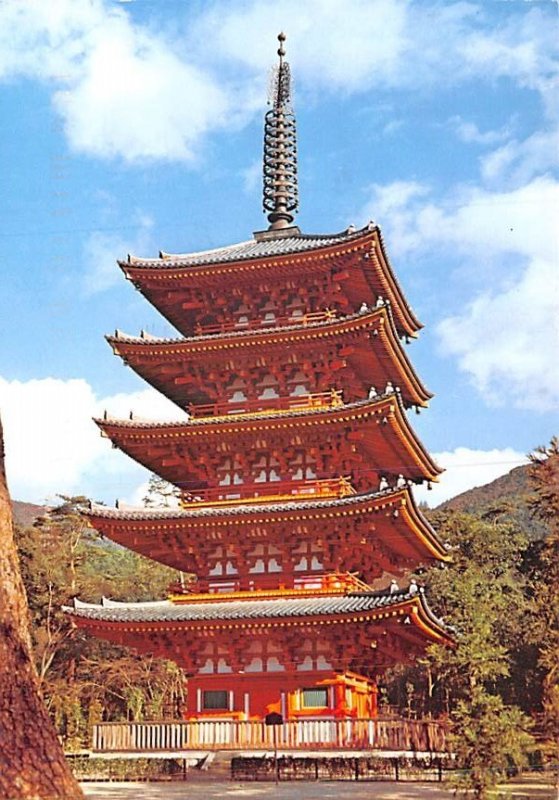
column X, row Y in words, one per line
column 295, row 466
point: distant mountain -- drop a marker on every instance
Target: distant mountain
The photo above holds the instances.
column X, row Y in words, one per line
column 506, row 497
column 26, row 513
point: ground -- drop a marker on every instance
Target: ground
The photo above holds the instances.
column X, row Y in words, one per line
column 529, row 788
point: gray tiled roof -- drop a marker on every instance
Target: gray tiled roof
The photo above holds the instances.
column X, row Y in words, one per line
column 240, row 510
column 200, row 422
column 260, row 332
column 166, row 611
column 259, row 247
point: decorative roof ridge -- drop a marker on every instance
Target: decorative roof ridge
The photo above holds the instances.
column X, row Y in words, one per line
column 106, row 602
column 389, row 598
column 392, row 271
column 139, row 512
column 120, row 336
column 347, row 235
column 248, row 417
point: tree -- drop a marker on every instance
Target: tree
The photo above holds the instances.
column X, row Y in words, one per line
column 84, row 679
column 488, row 739
column 484, row 596
column 160, row 493
column 32, row 763
column 482, row 592
column 545, row 506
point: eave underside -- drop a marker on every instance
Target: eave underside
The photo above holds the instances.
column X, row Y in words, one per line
column 382, row 442
column 364, row 256
column 364, row 633
column 368, row 535
column 365, row 346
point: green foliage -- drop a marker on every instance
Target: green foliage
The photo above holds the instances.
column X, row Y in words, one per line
column 545, row 505
column 85, row 679
column 160, row 493
column 485, row 596
column 489, row 739
column 482, row 594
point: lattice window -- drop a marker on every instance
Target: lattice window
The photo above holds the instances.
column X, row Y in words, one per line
column 268, row 387
column 310, row 557
column 264, row 656
column 265, row 558
column 229, row 472
column 314, row 655
column 222, row 562
column 215, row 700
column 266, row 468
column 317, row 697
column 303, row 466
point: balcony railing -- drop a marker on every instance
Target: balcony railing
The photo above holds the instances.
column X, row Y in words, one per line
column 426, row 736
column 224, row 409
column 268, row 491
column 230, row 326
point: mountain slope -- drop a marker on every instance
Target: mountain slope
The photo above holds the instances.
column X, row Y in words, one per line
column 506, row 497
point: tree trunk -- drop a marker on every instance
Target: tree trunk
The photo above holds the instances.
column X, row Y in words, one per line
column 32, row 764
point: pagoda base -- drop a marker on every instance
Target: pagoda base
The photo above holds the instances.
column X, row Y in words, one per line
column 304, row 694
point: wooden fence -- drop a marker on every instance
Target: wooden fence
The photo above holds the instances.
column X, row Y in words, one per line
column 426, row 736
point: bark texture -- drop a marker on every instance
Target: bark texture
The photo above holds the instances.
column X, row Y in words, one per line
column 32, row 764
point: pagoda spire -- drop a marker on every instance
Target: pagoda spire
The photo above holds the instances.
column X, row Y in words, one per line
column 280, row 148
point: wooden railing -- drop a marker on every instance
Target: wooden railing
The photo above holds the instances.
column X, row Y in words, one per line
column 330, row 399
column 428, row 736
column 229, row 326
column 267, row 491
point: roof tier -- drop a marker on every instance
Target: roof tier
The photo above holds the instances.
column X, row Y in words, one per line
column 366, row 440
column 179, row 284
column 369, row 534
column 366, row 631
column 358, row 351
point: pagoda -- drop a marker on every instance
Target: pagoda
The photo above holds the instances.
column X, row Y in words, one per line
column 295, row 466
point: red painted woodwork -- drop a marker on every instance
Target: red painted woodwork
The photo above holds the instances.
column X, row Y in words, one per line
column 384, row 534
column 195, row 371
column 308, row 282
column 196, row 457
column 294, row 469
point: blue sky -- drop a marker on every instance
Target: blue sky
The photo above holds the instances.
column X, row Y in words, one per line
column 137, row 126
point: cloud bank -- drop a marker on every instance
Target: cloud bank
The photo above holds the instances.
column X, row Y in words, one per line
column 506, row 245
column 53, row 446
column 126, row 89
column 466, row 469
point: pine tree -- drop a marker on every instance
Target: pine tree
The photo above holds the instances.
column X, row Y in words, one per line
column 32, row 764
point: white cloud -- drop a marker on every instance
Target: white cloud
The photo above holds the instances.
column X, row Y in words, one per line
column 120, row 89
column 466, row 469
column 126, row 90
column 252, row 176
column 507, row 337
column 517, row 162
column 508, row 341
column 136, row 99
column 101, row 271
column 357, row 44
column 52, row 445
column 331, row 44
column 489, row 223
column 469, row 132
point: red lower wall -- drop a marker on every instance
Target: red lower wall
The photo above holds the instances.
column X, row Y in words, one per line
column 253, row 695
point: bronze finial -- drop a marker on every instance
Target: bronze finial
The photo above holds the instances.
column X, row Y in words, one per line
column 280, row 148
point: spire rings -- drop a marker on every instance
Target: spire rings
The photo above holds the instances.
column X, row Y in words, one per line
column 280, row 193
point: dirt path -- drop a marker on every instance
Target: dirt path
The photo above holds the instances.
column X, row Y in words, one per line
column 529, row 788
